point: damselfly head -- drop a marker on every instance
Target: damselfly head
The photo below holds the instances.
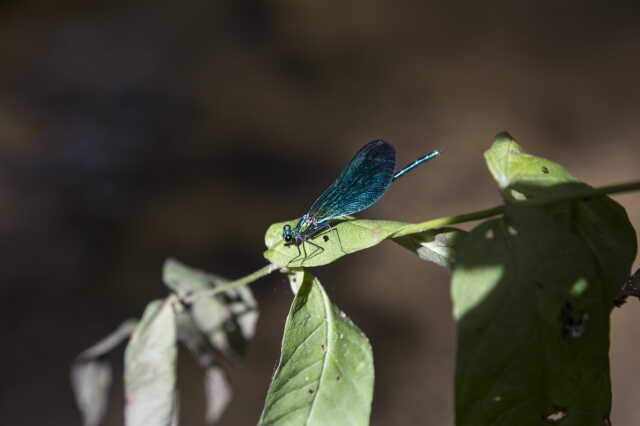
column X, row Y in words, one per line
column 287, row 235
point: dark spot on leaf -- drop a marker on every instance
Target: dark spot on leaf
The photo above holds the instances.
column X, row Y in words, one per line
column 310, row 390
column 556, row 415
column 325, row 237
column 545, row 170
column 338, row 378
column 574, row 324
column 322, row 347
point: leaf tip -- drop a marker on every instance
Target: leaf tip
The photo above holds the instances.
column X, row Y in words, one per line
column 504, row 140
column 503, row 136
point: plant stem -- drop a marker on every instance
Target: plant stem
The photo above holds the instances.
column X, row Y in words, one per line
column 262, row 272
column 443, row 221
column 449, row 220
column 493, row 211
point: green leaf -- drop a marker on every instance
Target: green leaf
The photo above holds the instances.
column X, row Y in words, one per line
column 510, row 164
column 218, row 393
column 194, row 339
column 91, row 375
column 91, row 382
column 228, row 319
column 325, row 373
column 533, row 293
column 216, row 386
column 345, row 237
column 150, row 367
column 175, row 415
column 601, row 222
column 296, row 278
column 519, row 284
column 225, row 322
column 435, row 245
column 185, row 280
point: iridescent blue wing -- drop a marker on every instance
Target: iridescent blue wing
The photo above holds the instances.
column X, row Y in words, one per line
column 362, row 182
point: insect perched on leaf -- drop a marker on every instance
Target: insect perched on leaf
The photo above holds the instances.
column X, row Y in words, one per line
column 362, row 182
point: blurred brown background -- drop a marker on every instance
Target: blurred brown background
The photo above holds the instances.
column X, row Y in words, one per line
column 134, row 131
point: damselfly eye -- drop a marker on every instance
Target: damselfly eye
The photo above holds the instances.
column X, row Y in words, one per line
column 287, row 234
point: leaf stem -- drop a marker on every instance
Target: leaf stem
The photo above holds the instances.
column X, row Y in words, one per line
column 254, row 276
column 494, row 211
